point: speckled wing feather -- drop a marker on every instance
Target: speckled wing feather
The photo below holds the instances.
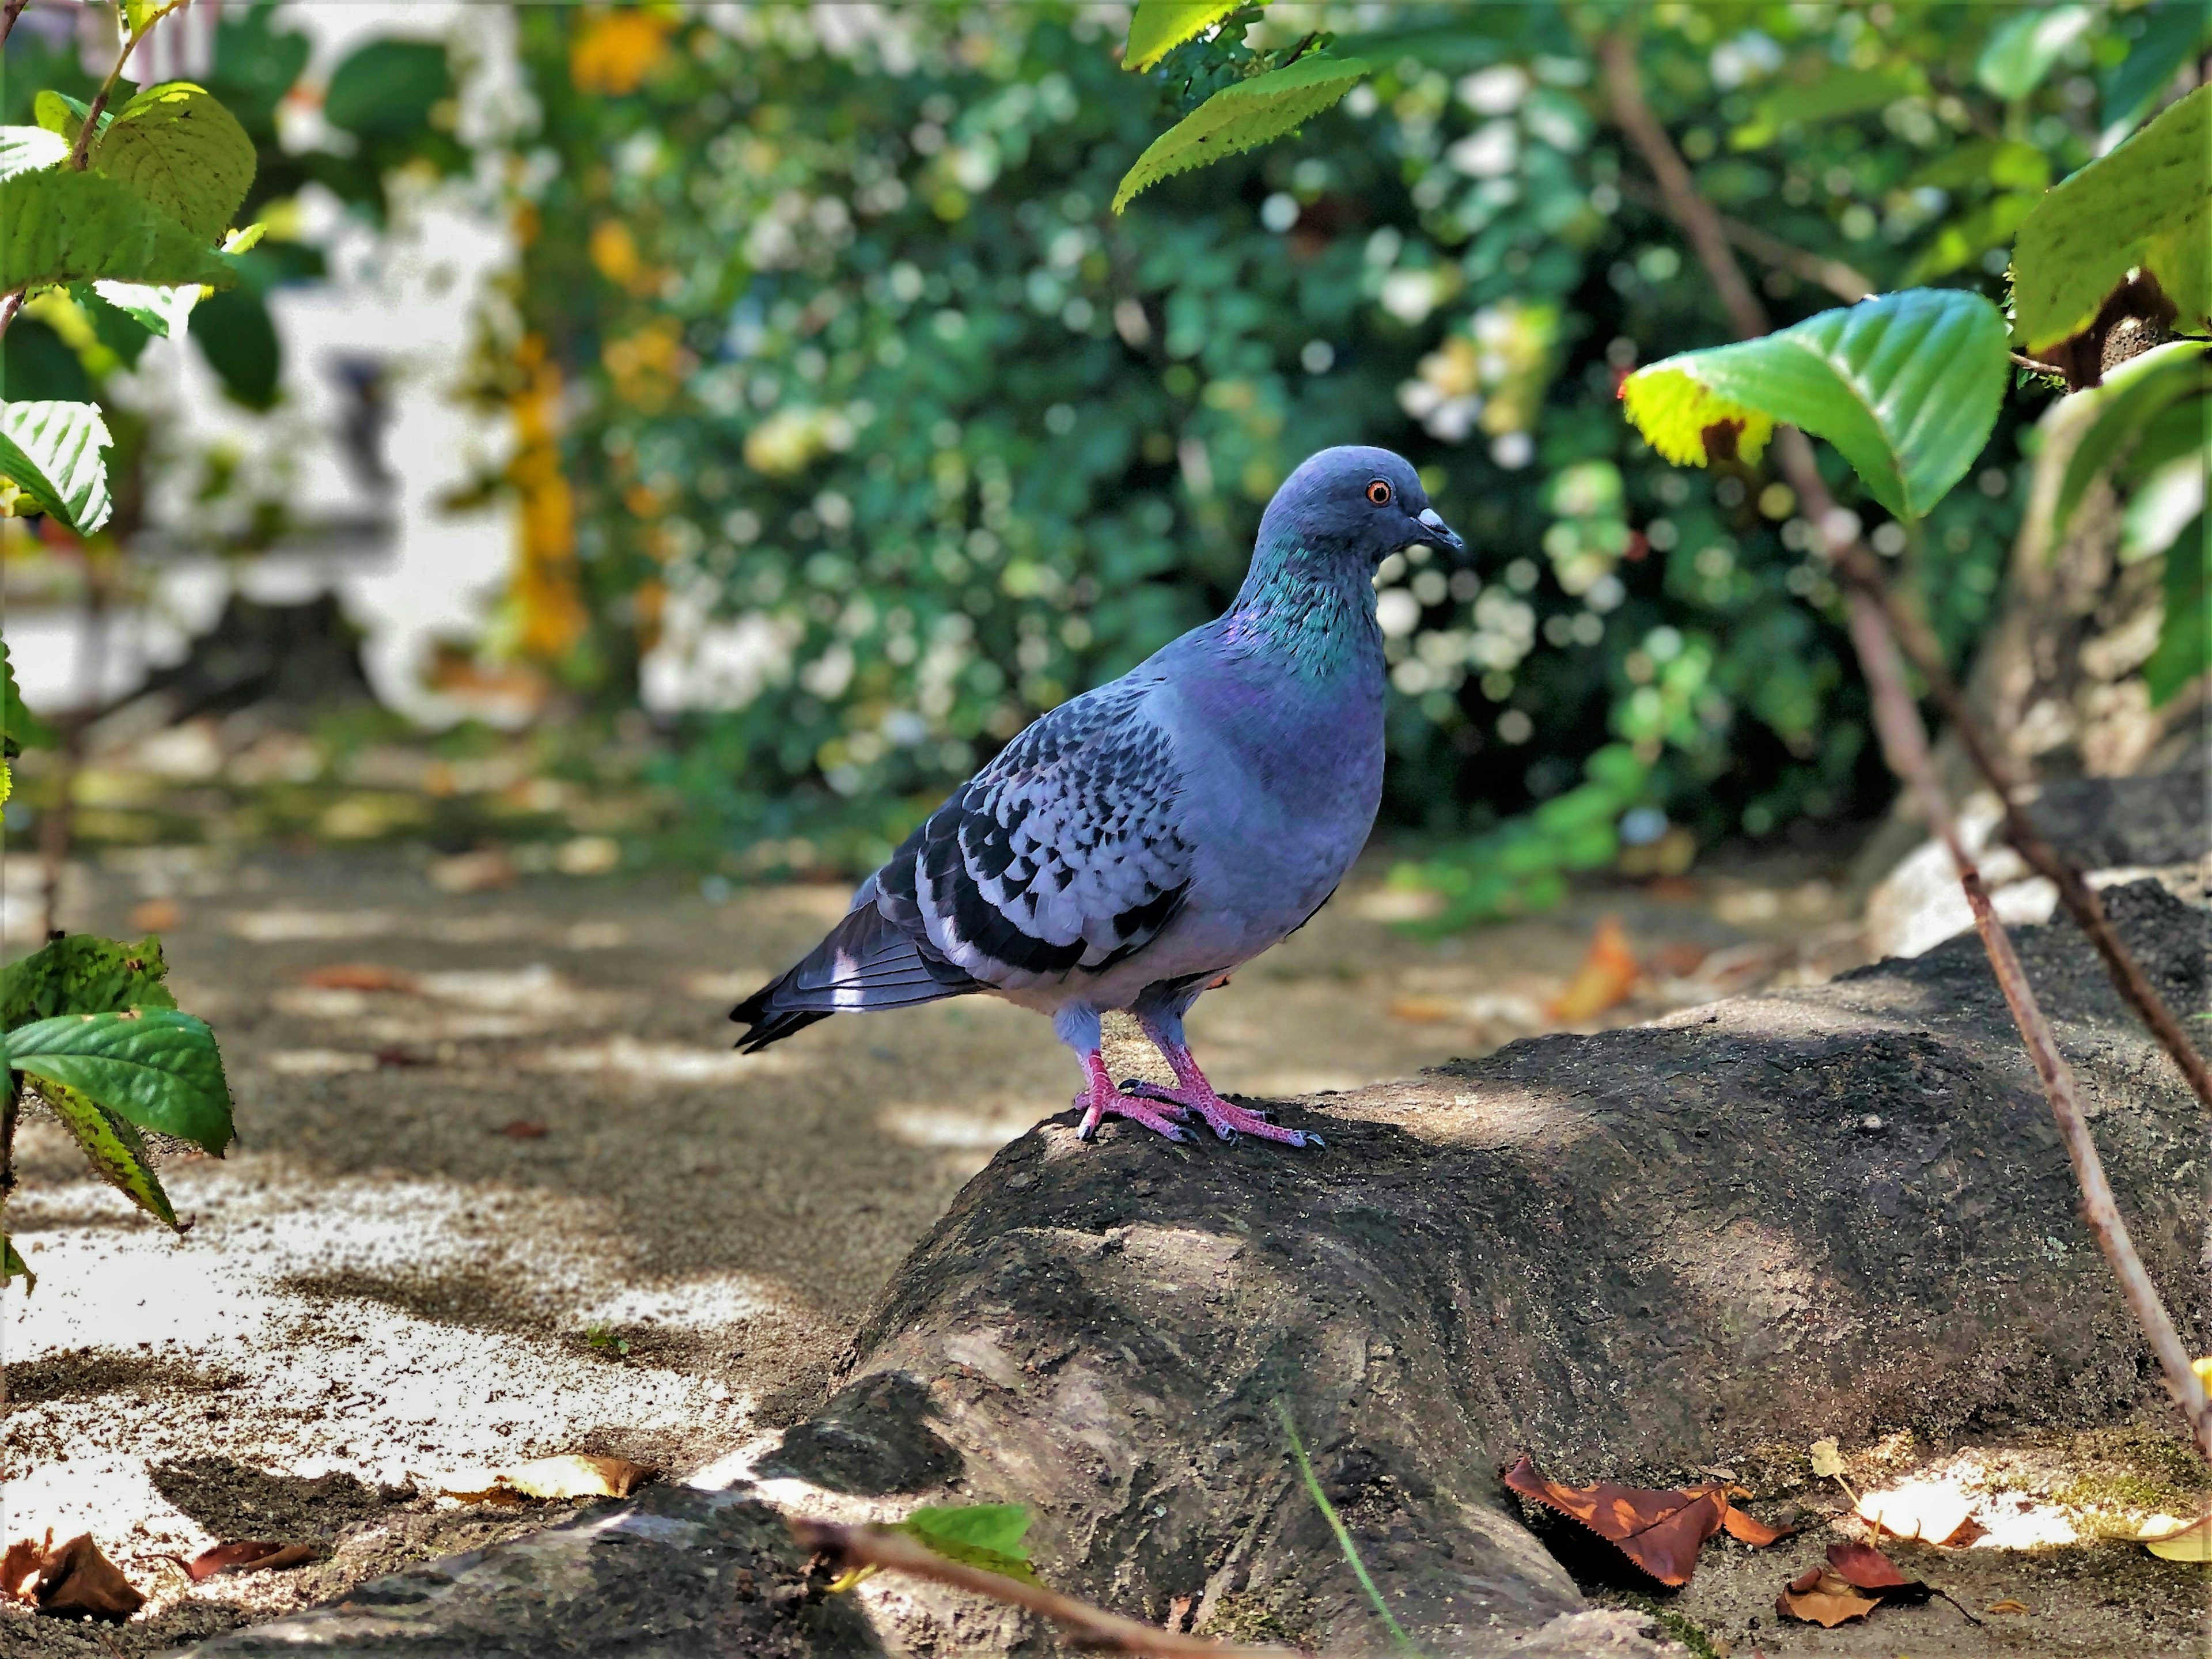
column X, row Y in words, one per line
column 1062, row 856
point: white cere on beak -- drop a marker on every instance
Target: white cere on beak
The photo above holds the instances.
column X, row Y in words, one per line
column 1430, row 517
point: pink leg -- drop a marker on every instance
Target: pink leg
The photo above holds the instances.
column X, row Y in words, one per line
column 1103, row 1099
column 1195, row 1094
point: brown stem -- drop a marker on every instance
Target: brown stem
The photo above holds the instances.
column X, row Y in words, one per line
column 14, row 10
column 132, row 37
column 1905, row 745
column 8, row 307
column 852, row 1547
column 1843, row 281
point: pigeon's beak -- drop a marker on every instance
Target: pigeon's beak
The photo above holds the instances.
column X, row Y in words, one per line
column 1439, row 533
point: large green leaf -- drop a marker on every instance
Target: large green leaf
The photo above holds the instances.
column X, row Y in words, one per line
column 1906, row 386
column 51, row 453
column 1159, row 26
column 63, row 226
column 84, row 974
column 2116, row 413
column 2022, row 50
column 238, row 339
column 64, row 116
column 2148, row 203
column 2184, row 636
column 2177, row 31
column 986, row 1535
column 30, row 149
column 388, row 88
column 113, row 1147
column 183, row 152
column 1241, row 118
column 155, row 1067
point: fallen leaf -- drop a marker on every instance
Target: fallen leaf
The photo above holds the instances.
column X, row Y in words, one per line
column 2173, row 1540
column 1864, row 1567
column 76, row 1579
column 522, row 1129
column 250, row 1555
column 574, row 1476
column 157, row 916
column 19, row 1567
column 2007, row 1606
column 1602, row 981
column 1819, row 1597
column 358, row 976
column 1933, row 1511
column 1750, row 1529
column 1425, row 1010
column 1827, row 1461
column 1660, row 1531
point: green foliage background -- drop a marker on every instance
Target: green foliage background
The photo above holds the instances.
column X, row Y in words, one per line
column 873, row 406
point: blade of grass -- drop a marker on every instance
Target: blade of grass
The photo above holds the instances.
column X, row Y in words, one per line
column 1343, row 1537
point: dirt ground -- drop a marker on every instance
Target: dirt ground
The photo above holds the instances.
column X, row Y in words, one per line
column 503, row 1191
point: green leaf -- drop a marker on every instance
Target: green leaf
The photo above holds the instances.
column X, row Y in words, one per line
column 19, row 729
column 120, row 331
column 84, row 974
column 1966, row 238
column 183, row 152
column 64, row 116
column 1906, row 386
column 236, row 336
column 2145, row 204
column 114, row 1148
column 139, row 14
column 63, row 226
column 1241, row 118
column 2175, row 33
column 1837, row 93
column 1159, row 26
column 11, row 1265
column 164, row 310
column 2184, row 636
column 2022, row 50
column 155, row 1067
column 2118, row 410
column 30, row 149
column 388, row 88
column 986, row 1535
column 52, row 451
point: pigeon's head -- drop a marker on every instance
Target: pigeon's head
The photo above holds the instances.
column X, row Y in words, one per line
column 1356, row 503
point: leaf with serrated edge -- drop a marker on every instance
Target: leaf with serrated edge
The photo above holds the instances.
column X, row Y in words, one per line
column 155, row 1067
column 113, row 1147
column 1160, row 26
column 30, row 149
column 1675, row 411
column 13, row 1266
column 182, row 152
column 1241, row 118
column 1906, row 386
column 986, row 1535
column 52, row 451
column 167, row 311
column 63, row 226
column 2146, row 204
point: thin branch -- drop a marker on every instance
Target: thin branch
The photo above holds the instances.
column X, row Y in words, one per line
column 1843, row 281
column 1904, row 743
column 132, row 38
column 14, row 10
column 8, row 307
column 852, row 1547
column 2021, row 360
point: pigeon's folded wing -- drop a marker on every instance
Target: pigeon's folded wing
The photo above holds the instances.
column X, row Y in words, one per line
column 1063, row 854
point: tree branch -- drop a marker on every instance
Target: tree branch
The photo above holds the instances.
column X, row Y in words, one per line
column 851, row 1547
column 14, row 10
column 1904, row 743
column 1841, row 280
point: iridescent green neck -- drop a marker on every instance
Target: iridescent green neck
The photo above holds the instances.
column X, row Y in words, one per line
column 1313, row 612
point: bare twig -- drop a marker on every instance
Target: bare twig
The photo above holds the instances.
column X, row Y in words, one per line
column 14, row 10
column 850, row 1547
column 2021, row 360
column 1905, row 743
column 1843, row 281
column 8, row 307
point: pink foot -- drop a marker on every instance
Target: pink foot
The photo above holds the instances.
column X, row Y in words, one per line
column 1227, row 1119
column 1102, row 1099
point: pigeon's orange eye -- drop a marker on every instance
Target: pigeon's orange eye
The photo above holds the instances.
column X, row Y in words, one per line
column 1379, row 493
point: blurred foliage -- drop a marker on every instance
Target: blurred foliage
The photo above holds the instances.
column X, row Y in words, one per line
column 864, row 431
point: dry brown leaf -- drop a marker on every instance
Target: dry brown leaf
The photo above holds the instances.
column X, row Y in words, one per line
column 1933, row 1511
column 76, row 1579
column 358, row 976
column 1603, row 980
column 1660, row 1531
column 2006, row 1605
column 1750, row 1529
column 1820, row 1598
column 1426, row 1011
column 2172, row 1541
column 19, row 1567
column 250, row 1555
column 1864, row 1567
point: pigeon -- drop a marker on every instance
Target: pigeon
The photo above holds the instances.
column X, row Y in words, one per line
column 1130, row 847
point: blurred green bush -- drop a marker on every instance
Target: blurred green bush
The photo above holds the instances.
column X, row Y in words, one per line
column 851, row 412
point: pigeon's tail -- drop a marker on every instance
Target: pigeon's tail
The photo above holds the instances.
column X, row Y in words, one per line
column 868, row 961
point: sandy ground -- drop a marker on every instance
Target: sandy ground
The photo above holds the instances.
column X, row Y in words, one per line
column 523, row 1200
